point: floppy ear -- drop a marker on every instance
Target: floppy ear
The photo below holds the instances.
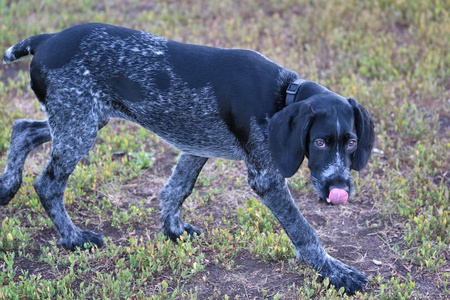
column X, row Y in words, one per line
column 288, row 130
column 365, row 133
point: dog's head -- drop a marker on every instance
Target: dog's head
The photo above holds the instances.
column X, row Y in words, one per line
column 334, row 133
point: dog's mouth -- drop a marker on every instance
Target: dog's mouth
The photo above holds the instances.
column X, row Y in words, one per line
column 332, row 194
column 337, row 196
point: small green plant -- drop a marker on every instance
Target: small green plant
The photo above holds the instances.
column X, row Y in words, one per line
column 12, row 235
column 142, row 160
column 396, row 289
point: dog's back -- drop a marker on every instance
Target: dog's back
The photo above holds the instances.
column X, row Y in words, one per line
column 163, row 85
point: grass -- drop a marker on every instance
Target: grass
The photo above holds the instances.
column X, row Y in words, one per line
column 393, row 56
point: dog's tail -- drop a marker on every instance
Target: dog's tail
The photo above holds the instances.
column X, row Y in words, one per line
column 24, row 48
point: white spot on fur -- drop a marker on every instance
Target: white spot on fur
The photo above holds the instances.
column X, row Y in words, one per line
column 44, row 109
column 86, row 73
column 337, row 167
column 330, row 171
column 338, row 128
column 8, row 56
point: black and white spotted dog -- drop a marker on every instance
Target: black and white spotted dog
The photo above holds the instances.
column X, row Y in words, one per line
column 206, row 102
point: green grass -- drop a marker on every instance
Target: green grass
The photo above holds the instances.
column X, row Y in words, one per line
column 392, row 56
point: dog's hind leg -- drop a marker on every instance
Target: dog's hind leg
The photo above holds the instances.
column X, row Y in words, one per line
column 178, row 188
column 72, row 137
column 26, row 135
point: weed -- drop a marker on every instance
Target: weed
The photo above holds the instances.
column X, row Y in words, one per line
column 12, row 235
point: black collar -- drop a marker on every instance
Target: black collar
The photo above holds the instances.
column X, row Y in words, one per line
column 292, row 90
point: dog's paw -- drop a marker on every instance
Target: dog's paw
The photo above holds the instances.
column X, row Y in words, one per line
column 192, row 230
column 8, row 188
column 174, row 233
column 83, row 240
column 341, row 275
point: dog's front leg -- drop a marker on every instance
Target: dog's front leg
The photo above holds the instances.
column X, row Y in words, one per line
column 273, row 190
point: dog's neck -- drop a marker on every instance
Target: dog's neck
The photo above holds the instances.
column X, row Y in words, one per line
column 292, row 91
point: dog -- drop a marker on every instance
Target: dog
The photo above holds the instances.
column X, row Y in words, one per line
column 207, row 102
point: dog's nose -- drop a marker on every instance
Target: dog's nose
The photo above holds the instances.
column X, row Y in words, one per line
column 339, row 182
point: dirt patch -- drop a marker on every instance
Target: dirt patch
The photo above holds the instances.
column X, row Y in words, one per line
column 249, row 278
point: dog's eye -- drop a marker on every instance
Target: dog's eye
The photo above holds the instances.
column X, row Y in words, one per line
column 351, row 144
column 320, row 143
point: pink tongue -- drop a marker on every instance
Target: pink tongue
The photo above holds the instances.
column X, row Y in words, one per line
column 338, row 196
